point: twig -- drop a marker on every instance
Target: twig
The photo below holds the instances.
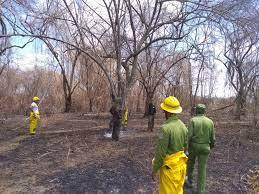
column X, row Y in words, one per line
column 69, row 150
column 44, row 155
column 47, row 154
column 53, row 180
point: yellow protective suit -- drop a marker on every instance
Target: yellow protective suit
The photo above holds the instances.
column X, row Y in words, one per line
column 172, row 173
column 125, row 118
column 34, row 119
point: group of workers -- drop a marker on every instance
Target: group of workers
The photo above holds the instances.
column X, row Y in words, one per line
column 177, row 147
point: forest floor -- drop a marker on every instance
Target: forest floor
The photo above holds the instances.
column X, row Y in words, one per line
column 73, row 153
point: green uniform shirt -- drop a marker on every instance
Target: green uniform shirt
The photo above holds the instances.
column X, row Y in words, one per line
column 173, row 138
column 201, row 130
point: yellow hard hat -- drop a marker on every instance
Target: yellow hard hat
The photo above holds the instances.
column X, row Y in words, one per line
column 35, row 98
column 171, row 104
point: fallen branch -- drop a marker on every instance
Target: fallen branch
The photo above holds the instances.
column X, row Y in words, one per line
column 47, row 153
column 221, row 108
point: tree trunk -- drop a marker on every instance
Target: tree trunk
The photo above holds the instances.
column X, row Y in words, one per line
column 138, row 109
column 151, row 119
column 67, row 94
column 138, row 106
column 116, row 130
column 149, row 99
column 241, row 103
column 90, row 105
column 68, row 103
column 256, row 103
column 116, row 112
column 191, row 97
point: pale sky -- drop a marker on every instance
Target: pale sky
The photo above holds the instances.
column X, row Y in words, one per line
column 29, row 56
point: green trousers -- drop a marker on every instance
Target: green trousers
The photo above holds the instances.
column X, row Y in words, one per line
column 201, row 152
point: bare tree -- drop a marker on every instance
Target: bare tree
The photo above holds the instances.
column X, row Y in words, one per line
column 42, row 22
column 92, row 82
column 241, row 53
column 122, row 33
column 67, row 63
column 155, row 67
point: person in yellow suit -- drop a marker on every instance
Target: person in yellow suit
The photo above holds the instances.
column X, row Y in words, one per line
column 34, row 115
column 125, row 118
column 170, row 158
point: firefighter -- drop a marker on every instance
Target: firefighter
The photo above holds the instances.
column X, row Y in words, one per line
column 125, row 117
column 201, row 135
column 170, row 158
column 34, row 115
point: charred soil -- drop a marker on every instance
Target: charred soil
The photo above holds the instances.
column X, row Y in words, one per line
column 71, row 154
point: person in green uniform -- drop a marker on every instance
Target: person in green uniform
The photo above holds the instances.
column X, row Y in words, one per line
column 151, row 116
column 170, row 158
column 201, row 136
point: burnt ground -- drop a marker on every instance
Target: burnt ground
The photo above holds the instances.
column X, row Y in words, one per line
column 70, row 154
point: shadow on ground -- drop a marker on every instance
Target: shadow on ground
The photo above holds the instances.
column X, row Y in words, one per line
column 105, row 177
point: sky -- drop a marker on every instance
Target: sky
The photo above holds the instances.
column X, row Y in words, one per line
column 30, row 56
column 221, row 89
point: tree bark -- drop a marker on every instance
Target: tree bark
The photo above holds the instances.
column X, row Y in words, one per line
column 255, row 119
column 138, row 109
column 67, row 95
column 149, row 99
column 68, row 103
column 151, row 121
column 90, row 105
column 116, row 121
column 241, row 103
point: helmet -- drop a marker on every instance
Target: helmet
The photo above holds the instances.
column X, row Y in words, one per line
column 171, row 105
column 35, row 98
column 200, row 108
